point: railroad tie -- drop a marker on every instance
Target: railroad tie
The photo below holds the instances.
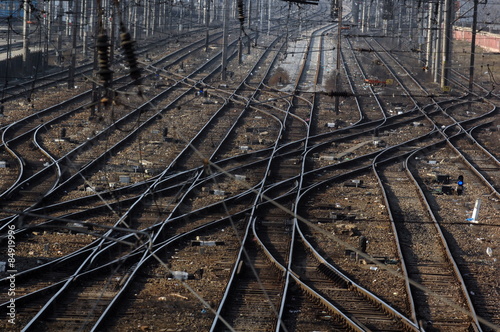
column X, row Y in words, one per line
column 327, row 271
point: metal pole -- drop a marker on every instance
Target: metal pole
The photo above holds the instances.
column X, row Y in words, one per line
column 47, row 21
column 9, row 52
column 85, row 22
column 473, row 48
column 410, row 20
column 147, row 18
column 181, row 17
column 163, row 16
column 170, row 14
column 240, row 49
column 268, row 17
column 112, row 39
column 369, row 16
column 438, row 43
column 216, row 10
column 420, row 29
column 446, row 59
column 225, row 25
column 156, row 14
column 400, row 24
column 26, row 11
column 261, row 14
column 191, row 12
column 71, row 72
column 249, row 22
column 337, row 74
column 249, row 15
column 136, row 8
column 207, row 23
column 363, row 16
column 430, row 35
column 200, row 11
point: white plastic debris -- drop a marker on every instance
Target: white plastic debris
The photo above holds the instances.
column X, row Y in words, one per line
column 179, row 275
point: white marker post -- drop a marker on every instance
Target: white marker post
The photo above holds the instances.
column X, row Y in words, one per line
column 475, row 212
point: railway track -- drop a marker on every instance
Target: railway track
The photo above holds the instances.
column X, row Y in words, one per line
column 433, row 272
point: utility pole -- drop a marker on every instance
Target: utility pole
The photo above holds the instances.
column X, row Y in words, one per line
column 445, row 69
column 225, row 25
column 430, row 36
column 369, row 15
column 240, row 49
column 473, row 48
column 438, row 43
column 400, row 24
column 261, row 22
column 249, row 15
column 241, row 16
column 71, row 72
column 46, row 39
column 337, row 74
column 249, row 22
column 59, row 52
column 364, row 16
column 268, row 17
column 136, row 22
column 191, row 10
column 207, row 23
column 420, row 29
column 147, row 18
column 409, row 19
column 181, row 17
column 85, row 22
column 26, row 11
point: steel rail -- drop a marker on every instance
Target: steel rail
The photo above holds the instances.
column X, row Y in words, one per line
column 409, row 169
column 90, row 258
column 259, row 196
